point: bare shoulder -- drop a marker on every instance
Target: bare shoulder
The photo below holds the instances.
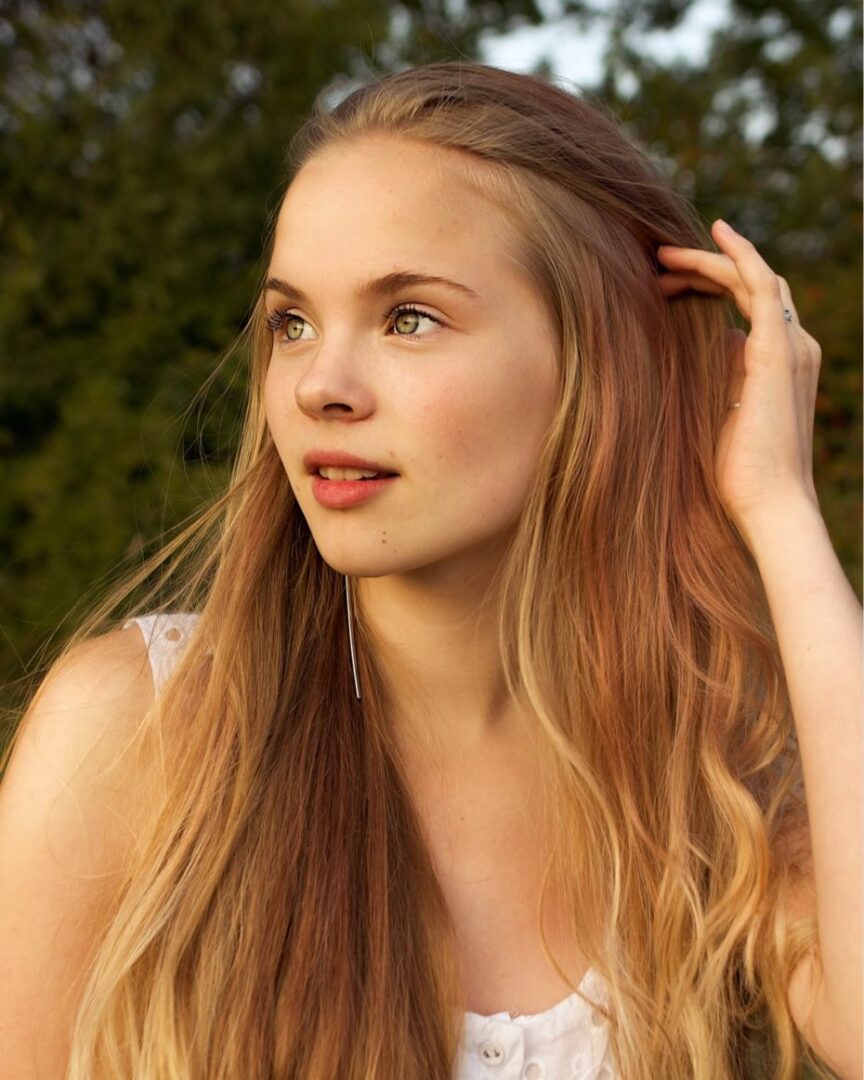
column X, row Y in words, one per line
column 68, row 806
column 82, row 720
column 102, row 680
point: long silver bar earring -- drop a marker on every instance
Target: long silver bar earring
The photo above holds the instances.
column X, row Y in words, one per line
column 350, row 610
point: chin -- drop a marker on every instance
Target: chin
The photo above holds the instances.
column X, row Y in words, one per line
column 367, row 557
column 357, row 564
column 366, row 560
column 356, row 568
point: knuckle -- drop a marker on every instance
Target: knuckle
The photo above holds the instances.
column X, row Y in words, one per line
column 812, row 344
column 808, row 359
column 769, row 283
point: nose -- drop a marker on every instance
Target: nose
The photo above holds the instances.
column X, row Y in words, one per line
column 330, row 386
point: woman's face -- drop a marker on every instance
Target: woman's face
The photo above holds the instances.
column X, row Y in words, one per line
column 456, row 399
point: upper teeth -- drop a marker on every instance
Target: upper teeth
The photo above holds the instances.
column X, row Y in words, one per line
column 330, row 472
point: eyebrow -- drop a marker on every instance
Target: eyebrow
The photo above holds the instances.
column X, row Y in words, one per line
column 378, row 287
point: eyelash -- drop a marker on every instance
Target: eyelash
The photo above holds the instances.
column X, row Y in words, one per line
column 276, row 321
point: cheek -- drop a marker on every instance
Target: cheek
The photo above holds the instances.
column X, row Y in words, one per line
column 485, row 438
column 277, row 397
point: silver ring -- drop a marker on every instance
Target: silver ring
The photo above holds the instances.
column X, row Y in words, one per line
column 735, row 405
column 787, row 314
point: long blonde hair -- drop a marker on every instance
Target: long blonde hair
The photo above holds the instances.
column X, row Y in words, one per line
column 279, row 915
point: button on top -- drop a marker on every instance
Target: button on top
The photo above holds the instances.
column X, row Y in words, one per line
column 492, row 1053
column 533, row 1071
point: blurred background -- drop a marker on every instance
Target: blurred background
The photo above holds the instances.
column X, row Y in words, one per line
column 142, row 149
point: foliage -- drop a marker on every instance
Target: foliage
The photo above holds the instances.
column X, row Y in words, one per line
column 142, row 151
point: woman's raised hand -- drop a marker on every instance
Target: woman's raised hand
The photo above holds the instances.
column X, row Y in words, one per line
column 764, row 455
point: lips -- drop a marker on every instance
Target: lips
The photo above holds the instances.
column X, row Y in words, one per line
column 351, row 479
column 315, row 459
column 341, row 494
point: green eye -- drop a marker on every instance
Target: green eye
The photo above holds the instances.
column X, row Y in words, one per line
column 282, row 320
column 408, row 309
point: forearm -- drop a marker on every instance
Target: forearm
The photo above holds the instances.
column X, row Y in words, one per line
column 818, row 622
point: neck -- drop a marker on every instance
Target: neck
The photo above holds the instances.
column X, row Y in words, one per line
column 438, row 633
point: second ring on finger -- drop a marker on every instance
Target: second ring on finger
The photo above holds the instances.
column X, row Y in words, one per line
column 789, row 312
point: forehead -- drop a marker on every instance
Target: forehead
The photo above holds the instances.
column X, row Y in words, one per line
column 390, row 197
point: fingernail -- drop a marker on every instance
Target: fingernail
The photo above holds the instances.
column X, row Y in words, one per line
column 724, row 225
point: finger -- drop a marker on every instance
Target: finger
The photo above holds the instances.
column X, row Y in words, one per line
column 762, row 284
column 673, row 283
column 711, row 264
column 809, row 353
column 788, row 302
column 735, row 342
column 718, row 268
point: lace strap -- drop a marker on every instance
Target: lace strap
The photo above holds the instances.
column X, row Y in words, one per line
column 165, row 634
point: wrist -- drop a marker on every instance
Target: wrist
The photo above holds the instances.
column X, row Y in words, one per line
column 779, row 524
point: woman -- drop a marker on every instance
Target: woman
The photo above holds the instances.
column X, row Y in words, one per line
column 490, row 762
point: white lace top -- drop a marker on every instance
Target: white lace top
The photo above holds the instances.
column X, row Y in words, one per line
column 569, row 1041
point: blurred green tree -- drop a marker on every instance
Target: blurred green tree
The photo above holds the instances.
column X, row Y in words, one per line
column 142, row 148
